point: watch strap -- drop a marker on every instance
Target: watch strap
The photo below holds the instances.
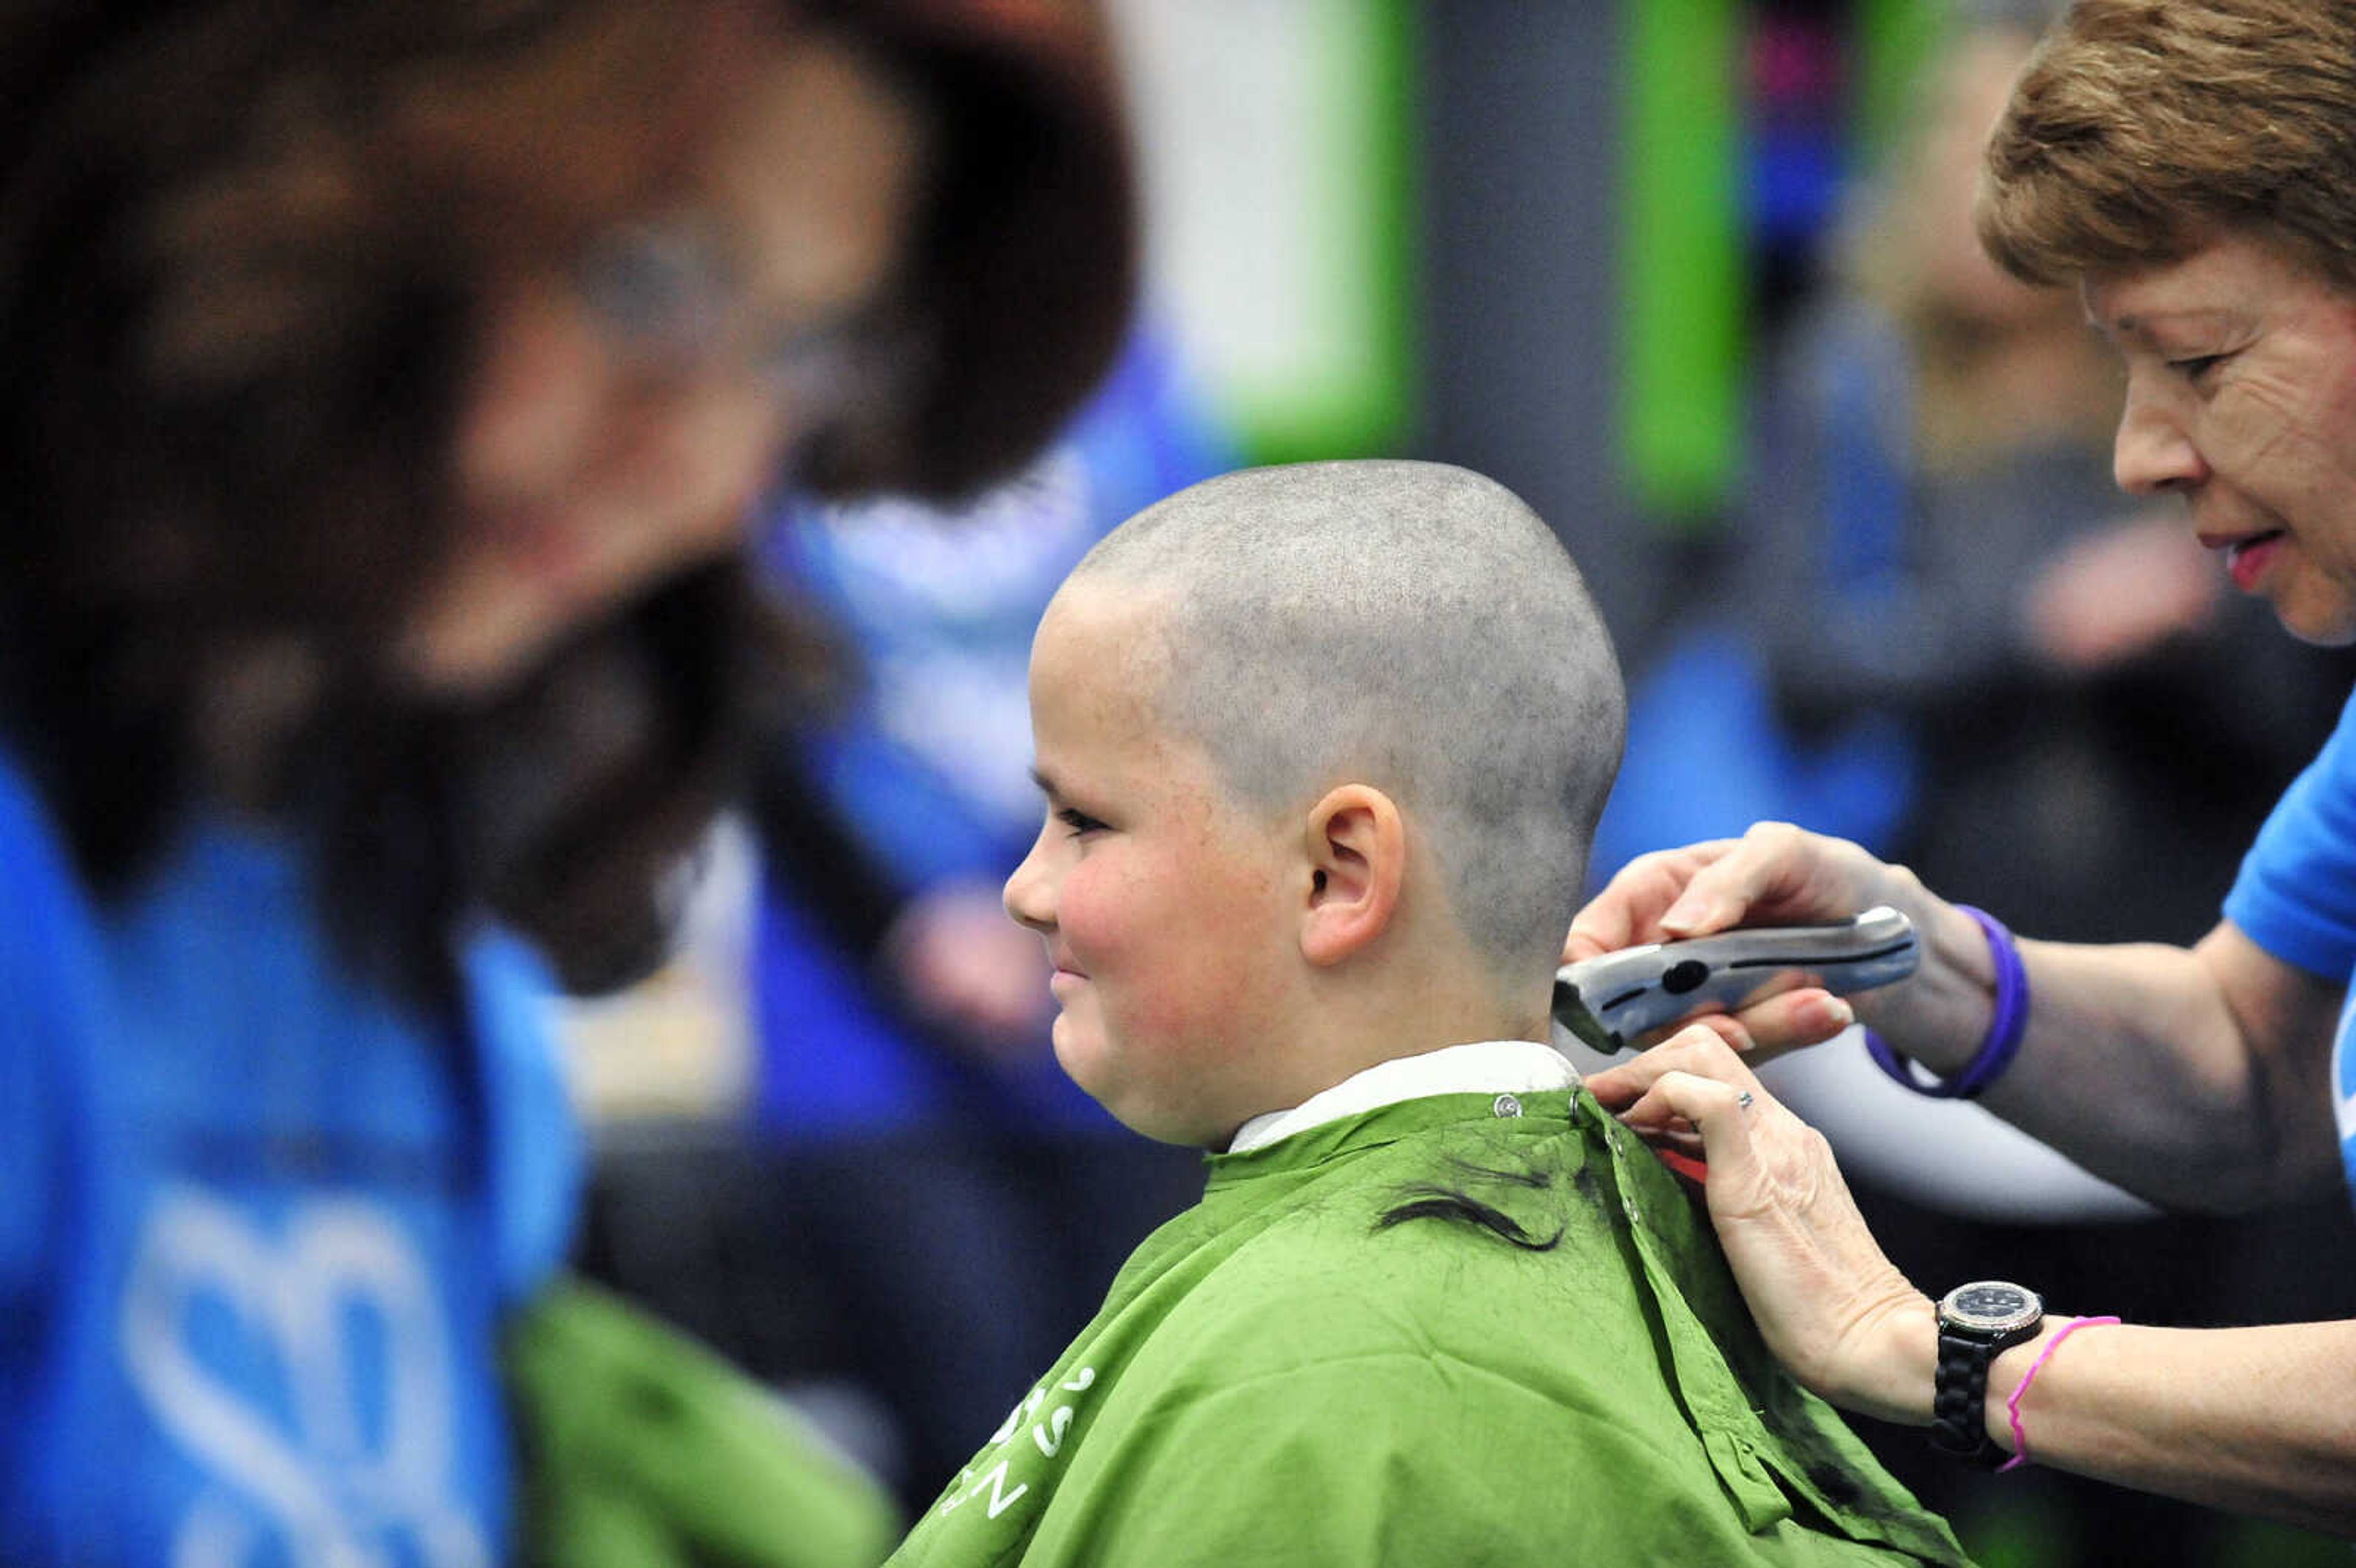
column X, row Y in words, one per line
column 1959, row 1398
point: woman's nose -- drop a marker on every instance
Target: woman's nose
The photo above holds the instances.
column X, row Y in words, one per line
column 2152, row 453
column 541, row 385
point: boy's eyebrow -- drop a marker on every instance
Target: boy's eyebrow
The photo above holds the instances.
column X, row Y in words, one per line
column 1046, row 785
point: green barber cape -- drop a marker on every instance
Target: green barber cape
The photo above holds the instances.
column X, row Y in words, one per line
column 1280, row 1377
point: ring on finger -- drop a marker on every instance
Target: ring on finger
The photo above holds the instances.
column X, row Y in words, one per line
column 1742, row 1100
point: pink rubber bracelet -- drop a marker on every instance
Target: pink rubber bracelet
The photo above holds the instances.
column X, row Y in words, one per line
column 2012, row 1405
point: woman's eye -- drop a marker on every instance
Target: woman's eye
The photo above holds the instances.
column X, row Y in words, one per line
column 660, row 288
column 2197, row 366
column 1079, row 822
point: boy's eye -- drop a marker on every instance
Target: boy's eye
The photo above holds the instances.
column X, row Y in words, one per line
column 2197, row 366
column 1078, row 821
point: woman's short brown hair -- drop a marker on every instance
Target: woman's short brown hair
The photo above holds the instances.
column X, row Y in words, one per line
column 2141, row 128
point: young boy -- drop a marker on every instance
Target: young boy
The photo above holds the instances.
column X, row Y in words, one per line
column 1322, row 748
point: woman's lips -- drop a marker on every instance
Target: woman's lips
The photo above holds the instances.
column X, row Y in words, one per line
column 2247, row 559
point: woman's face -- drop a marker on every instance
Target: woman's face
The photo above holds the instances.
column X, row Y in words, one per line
column 626, row 411
column 2241, row 397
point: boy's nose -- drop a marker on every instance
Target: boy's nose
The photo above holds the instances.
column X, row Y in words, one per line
column 1030, row 892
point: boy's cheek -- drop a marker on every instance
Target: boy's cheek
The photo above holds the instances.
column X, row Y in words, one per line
column 1089, row 916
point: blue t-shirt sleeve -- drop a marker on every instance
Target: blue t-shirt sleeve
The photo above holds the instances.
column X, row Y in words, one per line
column 25, row 1137
column 37, row 894
column 2296, row 896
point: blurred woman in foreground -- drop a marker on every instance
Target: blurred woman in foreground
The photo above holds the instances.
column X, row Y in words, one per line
column 387, row 388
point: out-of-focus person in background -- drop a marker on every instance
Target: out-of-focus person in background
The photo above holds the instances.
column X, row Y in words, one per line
column 2187, row 166
column 2076, row 681
column 1968, row 650
column 389, row 391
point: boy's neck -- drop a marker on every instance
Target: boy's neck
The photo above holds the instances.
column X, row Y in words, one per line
column 1353, row 1022
column 1505, row 1067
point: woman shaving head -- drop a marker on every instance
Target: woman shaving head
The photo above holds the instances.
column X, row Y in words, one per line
column 388, row 387
column 2190, row 166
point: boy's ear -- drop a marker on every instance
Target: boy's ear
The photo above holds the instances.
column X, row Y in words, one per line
column 1356, row 843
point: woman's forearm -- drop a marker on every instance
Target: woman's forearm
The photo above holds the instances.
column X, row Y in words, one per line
column 2197, row 1078
column 2261, row 1420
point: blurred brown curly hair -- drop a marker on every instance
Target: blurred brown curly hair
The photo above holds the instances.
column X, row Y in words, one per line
column 240, row 243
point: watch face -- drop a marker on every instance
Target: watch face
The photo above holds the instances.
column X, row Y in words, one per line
column 1991, row 1307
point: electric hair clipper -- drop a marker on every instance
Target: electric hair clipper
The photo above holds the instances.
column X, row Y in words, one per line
column 1602, row 1001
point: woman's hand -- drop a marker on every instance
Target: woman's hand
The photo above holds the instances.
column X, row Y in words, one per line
column 1831, row 1306
column 1775, row 874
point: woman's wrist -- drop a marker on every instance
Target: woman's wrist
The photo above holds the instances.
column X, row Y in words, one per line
column 2005, row 1375
column 2012, row 1374
column 1955, row 1002
column 1894, row 1369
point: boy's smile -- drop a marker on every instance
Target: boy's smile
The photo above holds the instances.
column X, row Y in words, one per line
column 1163, row 902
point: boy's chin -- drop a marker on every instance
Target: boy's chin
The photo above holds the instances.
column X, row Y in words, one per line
column 1159, row 1123
column 1163, row 1132
column 1162, row 1124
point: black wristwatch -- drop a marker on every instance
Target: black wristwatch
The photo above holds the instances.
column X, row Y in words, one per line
column 1976, row 1322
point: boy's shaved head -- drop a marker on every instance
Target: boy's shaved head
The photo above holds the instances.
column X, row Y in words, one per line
column 1407, row 625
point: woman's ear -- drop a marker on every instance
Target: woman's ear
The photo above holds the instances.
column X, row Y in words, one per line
column 1356, row 843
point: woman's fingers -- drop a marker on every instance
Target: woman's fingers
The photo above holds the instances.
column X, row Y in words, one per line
column 1770, row 1026
column 1695, row 1085
column 1682, row 1107
column 1628, row 912
column 1785, row 1022
column 1706, row 1045
column 1775, row 874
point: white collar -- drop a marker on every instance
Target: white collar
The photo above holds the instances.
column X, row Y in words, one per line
column 1484, row 1066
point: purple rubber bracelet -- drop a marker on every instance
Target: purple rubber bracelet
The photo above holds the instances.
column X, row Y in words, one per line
column 2005, row 1029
